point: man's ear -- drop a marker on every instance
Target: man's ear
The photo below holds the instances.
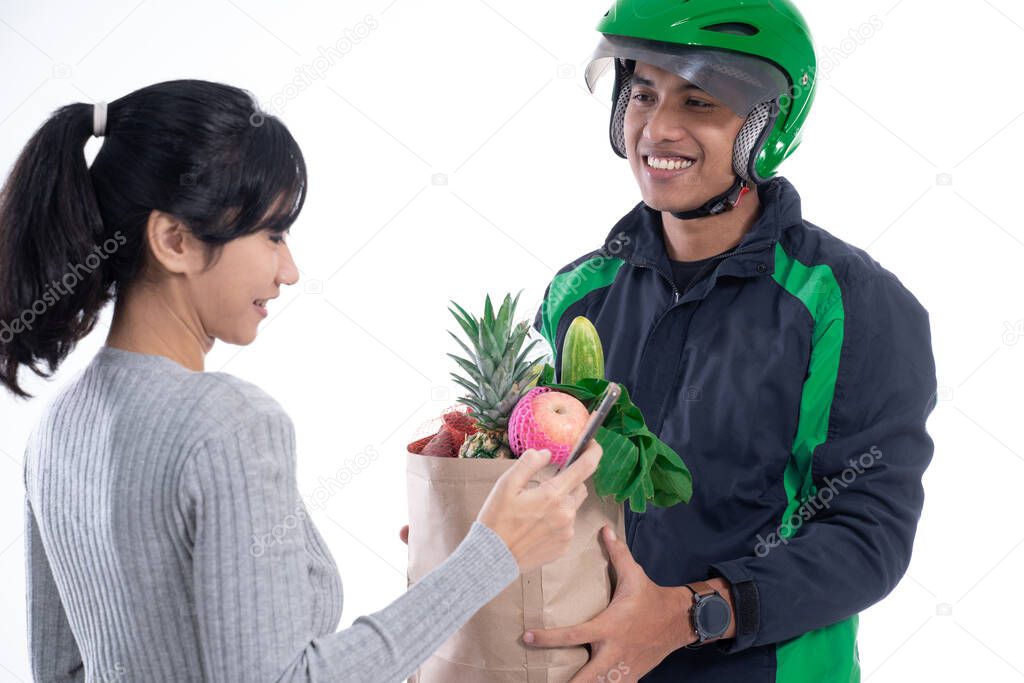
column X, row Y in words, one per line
column 172, row 245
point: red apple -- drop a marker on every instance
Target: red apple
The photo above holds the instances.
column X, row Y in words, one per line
column 547, row 419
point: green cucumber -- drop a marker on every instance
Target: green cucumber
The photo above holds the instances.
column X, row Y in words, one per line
column 582, row 353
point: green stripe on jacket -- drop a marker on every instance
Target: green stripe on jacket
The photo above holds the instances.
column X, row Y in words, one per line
column 570, row 287
column 825, row 655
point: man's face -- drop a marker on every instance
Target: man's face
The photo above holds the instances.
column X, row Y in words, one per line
column 679, row 140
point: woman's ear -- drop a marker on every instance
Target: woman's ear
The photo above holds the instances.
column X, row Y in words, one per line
column 172, row 245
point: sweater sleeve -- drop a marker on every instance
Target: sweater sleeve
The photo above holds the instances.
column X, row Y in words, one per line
column 253, row 596
column 53, row 650
column 852, row 535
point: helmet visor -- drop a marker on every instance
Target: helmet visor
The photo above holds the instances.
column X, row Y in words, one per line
column 739, row 81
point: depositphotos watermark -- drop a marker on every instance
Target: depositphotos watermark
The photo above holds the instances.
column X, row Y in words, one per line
column 575, row 279
column 60, row 288
column 325, row 490
column 818, row 502
column 260, row 543
column 830, row 58
column 615, row 674
column 306, row 74
column 115, row 673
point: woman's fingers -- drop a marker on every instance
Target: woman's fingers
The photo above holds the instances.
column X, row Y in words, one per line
column 579, row 495
column 529, row 463
column 580, row 470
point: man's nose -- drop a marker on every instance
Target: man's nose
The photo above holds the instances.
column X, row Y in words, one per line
column 663, row 123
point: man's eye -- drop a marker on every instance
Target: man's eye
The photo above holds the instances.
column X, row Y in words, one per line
column 700, row 103
column 641, row 97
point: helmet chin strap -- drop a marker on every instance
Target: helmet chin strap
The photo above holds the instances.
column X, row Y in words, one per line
column 716, row 205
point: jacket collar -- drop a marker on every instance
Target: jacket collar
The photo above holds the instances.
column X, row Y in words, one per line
column 639, row 237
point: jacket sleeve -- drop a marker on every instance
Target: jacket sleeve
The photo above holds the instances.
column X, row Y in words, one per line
column 53, row 651
column 538, row 319
column 851, row 536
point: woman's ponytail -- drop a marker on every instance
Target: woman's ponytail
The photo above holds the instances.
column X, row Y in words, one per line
column 52, row 284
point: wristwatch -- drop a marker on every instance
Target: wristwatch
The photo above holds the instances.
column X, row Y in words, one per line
column 709, row 615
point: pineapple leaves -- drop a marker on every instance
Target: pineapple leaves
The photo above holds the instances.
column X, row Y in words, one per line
column 469, row 352
column 525, row 372
column 636, row 465
column 490, row 394
column 488, row 311
column 466, row 321
column 470, row 368
column 495, row 368
column 466, row 384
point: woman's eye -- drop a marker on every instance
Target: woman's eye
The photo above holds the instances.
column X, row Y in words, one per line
column 278, row 239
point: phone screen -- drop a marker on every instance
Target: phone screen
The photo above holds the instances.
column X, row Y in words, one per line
column 611, row 395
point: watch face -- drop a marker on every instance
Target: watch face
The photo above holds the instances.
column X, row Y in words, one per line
column 713, row 616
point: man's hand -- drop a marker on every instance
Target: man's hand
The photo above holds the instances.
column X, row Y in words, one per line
column 643, row 624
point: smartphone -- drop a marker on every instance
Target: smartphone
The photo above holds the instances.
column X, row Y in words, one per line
column 611, row 395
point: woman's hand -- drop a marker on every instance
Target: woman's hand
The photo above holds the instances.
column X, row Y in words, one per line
column 537, row 523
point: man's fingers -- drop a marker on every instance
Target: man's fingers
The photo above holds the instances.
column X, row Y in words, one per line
column 580, row 634
column 618, row 551
column 580, row 470
column 600, row 668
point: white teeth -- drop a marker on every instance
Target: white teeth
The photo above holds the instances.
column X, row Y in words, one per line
column 669, row 164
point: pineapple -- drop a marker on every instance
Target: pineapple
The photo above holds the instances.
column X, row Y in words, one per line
column 498, row 374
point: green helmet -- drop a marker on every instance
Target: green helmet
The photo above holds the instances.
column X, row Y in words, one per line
column 756, row 56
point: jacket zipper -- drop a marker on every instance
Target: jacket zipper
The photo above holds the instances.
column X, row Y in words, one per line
column 638, row 519
column 716, row 259
column 675, row 290
column 676, row 294
column 670, row 281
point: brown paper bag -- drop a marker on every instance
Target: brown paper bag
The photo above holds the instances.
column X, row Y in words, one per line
column 445, row 496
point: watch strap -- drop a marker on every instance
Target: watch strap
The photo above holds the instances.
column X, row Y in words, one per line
column 701, row 588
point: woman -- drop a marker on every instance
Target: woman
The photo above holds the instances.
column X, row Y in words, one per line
column 152, row 486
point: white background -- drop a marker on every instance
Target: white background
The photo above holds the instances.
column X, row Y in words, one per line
column 453, row 150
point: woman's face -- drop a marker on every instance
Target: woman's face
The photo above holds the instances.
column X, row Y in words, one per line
column 670, row 123
column 231, row 296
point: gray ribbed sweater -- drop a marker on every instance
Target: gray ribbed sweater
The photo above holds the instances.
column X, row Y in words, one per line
column 166, row 541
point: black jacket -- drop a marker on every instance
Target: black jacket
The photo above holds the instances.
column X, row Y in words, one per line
column 794, row 379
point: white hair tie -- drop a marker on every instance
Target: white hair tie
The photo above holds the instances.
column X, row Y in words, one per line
column 99, row 119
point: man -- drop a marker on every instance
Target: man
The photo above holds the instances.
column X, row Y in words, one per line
column 791, row 371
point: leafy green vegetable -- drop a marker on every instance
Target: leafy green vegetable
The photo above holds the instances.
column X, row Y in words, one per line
column 636, row 464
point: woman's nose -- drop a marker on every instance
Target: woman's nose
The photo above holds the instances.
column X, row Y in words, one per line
column 287, row 272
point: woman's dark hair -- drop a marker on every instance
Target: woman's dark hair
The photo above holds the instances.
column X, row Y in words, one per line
column 72, row 236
